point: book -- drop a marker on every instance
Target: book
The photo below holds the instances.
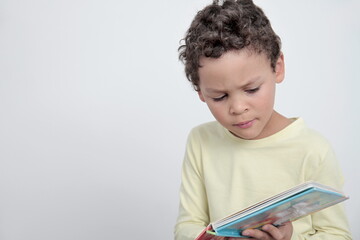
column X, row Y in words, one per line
column 286, row 206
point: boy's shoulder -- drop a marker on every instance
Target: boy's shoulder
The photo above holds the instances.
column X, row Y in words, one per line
column 300, row 135
column 310, row 133
column 207, row 125
column 297, row 134
column 208, row 130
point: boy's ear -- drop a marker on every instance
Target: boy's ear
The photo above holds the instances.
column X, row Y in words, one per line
column 201, row 96
column 280, row 69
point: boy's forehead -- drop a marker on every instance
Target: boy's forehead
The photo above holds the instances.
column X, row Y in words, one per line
column 236, row 67
column 245, row 53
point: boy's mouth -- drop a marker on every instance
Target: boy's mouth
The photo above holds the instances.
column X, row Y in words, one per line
column 245, row 124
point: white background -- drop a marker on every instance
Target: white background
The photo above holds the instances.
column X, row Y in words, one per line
column 95, row 109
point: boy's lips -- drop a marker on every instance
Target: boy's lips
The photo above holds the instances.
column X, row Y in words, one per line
column 245, row 124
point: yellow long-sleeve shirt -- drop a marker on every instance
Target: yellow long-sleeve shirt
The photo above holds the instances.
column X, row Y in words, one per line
column 223, row 174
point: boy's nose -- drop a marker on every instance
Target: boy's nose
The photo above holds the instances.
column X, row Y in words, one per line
column 237, row 107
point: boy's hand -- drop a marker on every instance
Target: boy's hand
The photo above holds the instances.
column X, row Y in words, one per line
column 269, row 232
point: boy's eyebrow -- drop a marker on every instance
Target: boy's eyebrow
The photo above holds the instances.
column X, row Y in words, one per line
column 213, row 90
column 252, row 81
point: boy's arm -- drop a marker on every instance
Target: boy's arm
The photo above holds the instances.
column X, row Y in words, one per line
column 330, row 223
column 193, row 209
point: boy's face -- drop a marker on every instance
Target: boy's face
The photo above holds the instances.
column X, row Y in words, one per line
column 239, row 89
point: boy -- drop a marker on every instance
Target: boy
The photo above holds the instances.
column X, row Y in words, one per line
column 233, row 59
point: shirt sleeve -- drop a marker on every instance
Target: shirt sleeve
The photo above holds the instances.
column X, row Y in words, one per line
column 330, row 223
column 193, row 209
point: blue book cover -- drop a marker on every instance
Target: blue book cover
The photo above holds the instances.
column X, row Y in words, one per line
column 287, row 206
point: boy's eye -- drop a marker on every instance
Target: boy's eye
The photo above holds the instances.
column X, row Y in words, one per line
column 253, row 90
column 218, row 99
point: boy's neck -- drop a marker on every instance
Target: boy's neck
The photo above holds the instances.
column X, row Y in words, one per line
column 277, row 123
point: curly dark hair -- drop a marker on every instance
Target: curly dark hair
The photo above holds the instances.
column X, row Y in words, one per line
column 221, row 27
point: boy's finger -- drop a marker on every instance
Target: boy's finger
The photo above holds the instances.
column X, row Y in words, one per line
column 236, row 238
column 255, row 233
column 273, row 231
column 231, row 238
